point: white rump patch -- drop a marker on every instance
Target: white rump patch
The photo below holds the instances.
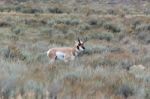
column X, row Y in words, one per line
column 48, row 52
column 60, row 55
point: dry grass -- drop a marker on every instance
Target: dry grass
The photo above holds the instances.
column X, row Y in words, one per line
column 117, row 38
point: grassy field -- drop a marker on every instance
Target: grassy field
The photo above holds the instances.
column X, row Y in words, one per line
column 118, row 41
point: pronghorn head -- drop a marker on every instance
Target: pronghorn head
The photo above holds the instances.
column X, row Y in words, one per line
column 79, row 45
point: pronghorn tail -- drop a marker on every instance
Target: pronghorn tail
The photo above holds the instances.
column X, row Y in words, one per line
column 48, row 52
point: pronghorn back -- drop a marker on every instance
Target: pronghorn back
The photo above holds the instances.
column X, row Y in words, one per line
column 65, row 53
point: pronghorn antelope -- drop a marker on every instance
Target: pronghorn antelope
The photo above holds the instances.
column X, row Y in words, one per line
column 66, row 53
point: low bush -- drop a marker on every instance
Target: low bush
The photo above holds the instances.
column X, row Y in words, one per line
column 144, row 37
column 125, row 91
column 4, row 24
column 13, row 53
column 96, row 49
column 143, row 27
column 18, row 30
column 111, row 27
column 55, row 10
column 84, row 26
column 25, row 9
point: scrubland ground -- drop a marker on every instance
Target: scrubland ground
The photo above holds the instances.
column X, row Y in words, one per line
column 118, row 41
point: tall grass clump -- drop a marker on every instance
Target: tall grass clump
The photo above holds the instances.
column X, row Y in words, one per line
column 11, row 75
column 12, row 69
column 105, row 80
column 34, row 86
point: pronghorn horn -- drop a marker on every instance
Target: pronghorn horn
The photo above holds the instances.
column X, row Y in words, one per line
column 78, row 40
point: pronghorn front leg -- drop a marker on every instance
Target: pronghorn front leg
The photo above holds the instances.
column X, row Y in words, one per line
column 52, row 60
column 66, row 58
column 73, row 57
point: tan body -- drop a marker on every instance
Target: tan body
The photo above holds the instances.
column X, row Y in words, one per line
column 69, row 53
column 65, row 53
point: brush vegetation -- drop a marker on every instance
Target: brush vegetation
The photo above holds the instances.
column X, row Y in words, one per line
column 117, row 34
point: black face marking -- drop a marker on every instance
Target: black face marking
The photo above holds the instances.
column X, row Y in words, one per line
column 83, row 47
column 80, row 44
column 78, row 47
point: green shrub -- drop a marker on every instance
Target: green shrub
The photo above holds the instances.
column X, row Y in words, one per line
column 22, row 0
column 101, row 22
column 69, row 36
column 8, row 87
column 16, row 30
column 147, row 96
column 95, row 49
column 68, row 21
column 142, row 33
column 102, row 62
column 143, row 27
column 55, row 10
column 6, row 8
column 112, row 11
column 136, row 23
column 102, row 36
column 92, row 22
column 24, row 9
column 51, row 22
column 84, row 26
column 46, row 32
column 13, row 53
column 111, row 27
column 32, row 85
column 4, row 24
column 64, row 20
column 125, row 90
column 144, row 36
